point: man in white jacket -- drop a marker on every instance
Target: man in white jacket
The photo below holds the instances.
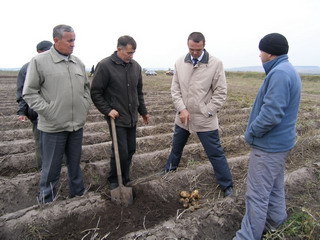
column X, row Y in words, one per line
column 199, row 90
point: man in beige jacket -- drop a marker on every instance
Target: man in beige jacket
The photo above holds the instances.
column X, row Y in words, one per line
column 199, row 90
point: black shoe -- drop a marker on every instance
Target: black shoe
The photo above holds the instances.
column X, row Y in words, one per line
column 228, row 192
column 113, row 185
column 269, row 228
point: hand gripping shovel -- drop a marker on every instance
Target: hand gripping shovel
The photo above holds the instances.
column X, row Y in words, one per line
column 121, row 194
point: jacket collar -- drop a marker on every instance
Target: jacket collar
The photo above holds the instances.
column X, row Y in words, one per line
column 268, row 66
column 117, row 60
column 205, row 58
column 57, row 57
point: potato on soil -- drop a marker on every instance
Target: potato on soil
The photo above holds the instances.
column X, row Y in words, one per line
column 185, row 205
column 184, row 194
column 195, row 194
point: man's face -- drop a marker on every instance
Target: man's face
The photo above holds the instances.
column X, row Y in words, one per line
column 65, row 45
column 195, row 49
column 126, row 53
column 265, row 57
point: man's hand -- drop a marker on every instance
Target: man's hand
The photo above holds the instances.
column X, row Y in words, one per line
column 113, row 114
column 22, row 118
column 146, row 119
column 184, row 116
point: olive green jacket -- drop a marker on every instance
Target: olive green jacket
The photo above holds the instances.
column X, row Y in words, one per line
column 58, row 90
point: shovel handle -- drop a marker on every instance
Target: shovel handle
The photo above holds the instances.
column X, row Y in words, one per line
column 116, row 152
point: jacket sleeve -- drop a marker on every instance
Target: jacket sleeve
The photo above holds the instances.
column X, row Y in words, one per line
column 142, row 107
column 31, row 90
column 22, row 105
column 275, row 101
column 87, row 95
column 98, row 88
column 219, row 90
column 176, row 92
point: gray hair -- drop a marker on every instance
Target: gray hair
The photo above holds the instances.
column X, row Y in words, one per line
column 60, row 29
column 126, row 40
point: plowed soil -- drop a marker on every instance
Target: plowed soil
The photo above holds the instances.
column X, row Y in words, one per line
column 156, row 212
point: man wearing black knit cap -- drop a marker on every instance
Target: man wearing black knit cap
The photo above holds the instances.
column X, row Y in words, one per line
column 24, row 111
column 43, row 46
column 271, row 133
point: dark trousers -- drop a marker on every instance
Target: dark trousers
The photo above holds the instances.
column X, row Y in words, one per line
column 211, row 143
column 127, row 147
column 36, row 136
column 53, row 147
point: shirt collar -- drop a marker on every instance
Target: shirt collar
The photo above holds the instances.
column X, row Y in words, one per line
column 199, row 58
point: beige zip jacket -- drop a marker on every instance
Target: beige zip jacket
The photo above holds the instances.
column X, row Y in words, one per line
column 58, row 90
column 201, row 89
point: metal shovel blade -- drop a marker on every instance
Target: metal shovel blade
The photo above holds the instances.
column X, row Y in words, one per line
column 122, row 195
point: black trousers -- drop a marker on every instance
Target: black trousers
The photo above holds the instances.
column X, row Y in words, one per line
column 127, row 147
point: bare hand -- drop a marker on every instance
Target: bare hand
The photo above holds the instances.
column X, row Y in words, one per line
column 113, row 114
column 146, row 119
column 22, row 118
column 184, row 116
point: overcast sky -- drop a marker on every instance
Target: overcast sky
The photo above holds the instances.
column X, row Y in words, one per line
column 233, row 28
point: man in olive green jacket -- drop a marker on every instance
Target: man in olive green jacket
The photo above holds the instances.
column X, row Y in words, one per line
column 198, row 91
column 57, row 88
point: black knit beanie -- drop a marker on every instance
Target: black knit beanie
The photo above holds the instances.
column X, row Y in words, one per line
column 275, row 44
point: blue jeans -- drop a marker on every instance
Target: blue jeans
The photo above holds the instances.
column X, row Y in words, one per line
column 265, row 197
column 53, row 147
column 211, row 143
column 127, row 147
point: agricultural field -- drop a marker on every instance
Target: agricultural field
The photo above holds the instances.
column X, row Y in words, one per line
column 156, row 212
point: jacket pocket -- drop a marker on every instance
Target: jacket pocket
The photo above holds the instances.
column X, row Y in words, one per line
column 49, row 113
column 204, row 109
column 80, row 78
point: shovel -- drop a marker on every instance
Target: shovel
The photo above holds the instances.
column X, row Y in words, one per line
column 121, row 194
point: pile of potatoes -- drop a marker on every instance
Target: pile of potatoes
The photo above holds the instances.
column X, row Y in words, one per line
column 190, row 200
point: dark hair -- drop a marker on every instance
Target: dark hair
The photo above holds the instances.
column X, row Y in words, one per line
column 126, row 40
column 60, row 29
column 197, row 37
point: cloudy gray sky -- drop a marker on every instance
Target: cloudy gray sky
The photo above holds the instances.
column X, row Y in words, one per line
column 233, row 28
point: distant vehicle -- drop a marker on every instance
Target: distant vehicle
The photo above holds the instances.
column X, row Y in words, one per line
column 151, row 73
column 170, row 72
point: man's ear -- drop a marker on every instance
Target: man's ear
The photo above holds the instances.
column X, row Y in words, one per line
column 55, row 40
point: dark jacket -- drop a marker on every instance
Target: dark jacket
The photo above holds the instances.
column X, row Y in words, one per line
column 23, row 108
column 118, row 85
